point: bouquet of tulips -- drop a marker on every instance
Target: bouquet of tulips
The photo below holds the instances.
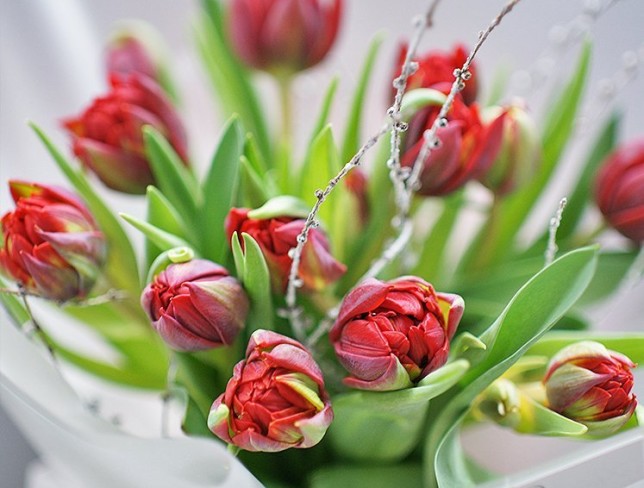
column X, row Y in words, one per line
column 308, row 309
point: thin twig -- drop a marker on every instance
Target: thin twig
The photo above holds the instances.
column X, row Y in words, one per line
column 555, row 222
column 431, row 141
column 294, row 281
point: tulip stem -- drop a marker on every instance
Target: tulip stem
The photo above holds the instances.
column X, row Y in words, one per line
column 284, row 86
column 173, row 366
column 233, row 449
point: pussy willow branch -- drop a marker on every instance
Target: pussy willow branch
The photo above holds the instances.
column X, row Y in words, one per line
column 431, row 141
column 555, row 222
column 409, row 67
column 292, row 312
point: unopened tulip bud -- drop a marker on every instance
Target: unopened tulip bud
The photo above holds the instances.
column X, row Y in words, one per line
column 52, row 246
column 283, row 36
column 390, row 335
column 275, row 400
column 517, row 161
column 619, row 190
column 195, row 305
column 592, row 385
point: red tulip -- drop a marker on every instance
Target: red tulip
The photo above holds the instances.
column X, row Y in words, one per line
column 52, row 246
column 108, row 137
column 195, row 305
column 390, row 335
column 275, row 399
column 276, row 237
column 467, row 149
column 283, row 36
column 437, row 68
column 619, row 190
column 592, row 385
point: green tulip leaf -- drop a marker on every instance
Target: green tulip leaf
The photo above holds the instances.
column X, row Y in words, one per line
column 253, row 272
column 253, row 191
column 351, row 142
column 386, row 426
column 533, row 310
column 231, row 82
column 578, row 200
column 121, row 267
column 281, row 206
column 540, row 420
column 220, row 191
column 323, row 116
column 173, row 178
column 159, row 237
column 162, row 214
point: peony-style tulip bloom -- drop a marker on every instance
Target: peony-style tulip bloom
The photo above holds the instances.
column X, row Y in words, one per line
column 108, row 138
column 468, row 147
column 275, row 399
column 592, row 385
column 195, row 305
column 390, row 335
column 619, row 190
column 437, row 68
column 52, row 246
column 283, row 36
column 517, row 161
column 276, row 237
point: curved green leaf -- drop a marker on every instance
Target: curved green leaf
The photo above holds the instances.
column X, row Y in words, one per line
column 220, row 191
column 173, row 178
column 351, row 142
column 162, row 214
column 386, row 426
column 162, row 239
column 529, row 314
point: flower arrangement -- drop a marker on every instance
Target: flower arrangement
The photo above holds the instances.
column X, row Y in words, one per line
column 304, row 308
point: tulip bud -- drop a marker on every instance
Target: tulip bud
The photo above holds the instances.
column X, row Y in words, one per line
column 276, row 236
column 283, row 36
column 437, row 68
column 619, row 190
column 195, row 305
column 390, row 335
column 130, row 50
column 592, row 385
column 108, row 138
column 52, row 246
column 275, row 399
column 467, row 147
column 517, row 160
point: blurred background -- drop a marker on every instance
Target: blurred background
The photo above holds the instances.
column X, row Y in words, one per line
column 51, row 66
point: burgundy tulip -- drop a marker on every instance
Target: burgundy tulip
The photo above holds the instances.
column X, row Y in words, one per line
column 108, row 138
column 437, row 68
column 390, row 335
column 467, row 149
column 276, row 237
column 195, row 305
column 619, row 190
column 283, row 36
column 52, row 246
column 275, row 400
column 592, row 385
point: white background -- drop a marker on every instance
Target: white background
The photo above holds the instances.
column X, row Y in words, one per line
column 51, row 67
